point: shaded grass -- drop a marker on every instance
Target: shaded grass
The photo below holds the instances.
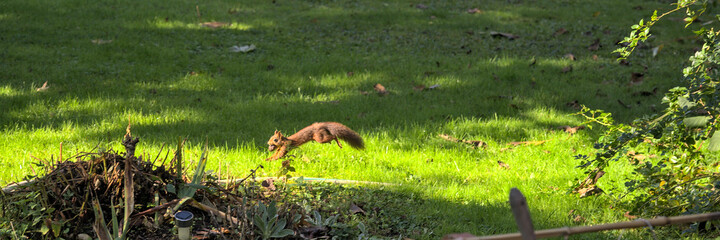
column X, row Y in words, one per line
column 315, row 59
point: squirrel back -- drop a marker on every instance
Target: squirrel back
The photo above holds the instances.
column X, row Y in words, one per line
column 346, row 134
column 322, row 132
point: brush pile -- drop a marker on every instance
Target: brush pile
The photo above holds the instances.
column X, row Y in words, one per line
column 108, row 195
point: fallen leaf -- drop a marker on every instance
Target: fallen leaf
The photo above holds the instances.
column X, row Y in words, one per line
column 535, row 143
column 623, row 104
column 567, row 69
column 637, row 78
column 628, row 216
column 503, row 164
column 570, row 56
column 100, row 41
column 43, row 88
column 243, row 49
column 474, row 11
column 571, row 130
column 474, row 143
column 655, row 50
column 419, row 87
column 574, row 104
column 421, row 6
column 645, row 93
column 355, row 209
column 269, row 184
column 380, row 89
column 594, row 57
column 505, row 35
column 214, row 24
column 560, row 31
column 595, row 45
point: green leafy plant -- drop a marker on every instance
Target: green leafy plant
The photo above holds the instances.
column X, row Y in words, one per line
column 268, row 223
column 673, row 155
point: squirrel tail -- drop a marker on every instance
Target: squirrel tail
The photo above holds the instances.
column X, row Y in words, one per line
column 349, row 136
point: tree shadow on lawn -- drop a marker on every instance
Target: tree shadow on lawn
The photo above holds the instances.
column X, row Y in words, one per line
column 413, row 211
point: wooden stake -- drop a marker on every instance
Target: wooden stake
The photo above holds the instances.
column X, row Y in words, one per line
column 522, row 214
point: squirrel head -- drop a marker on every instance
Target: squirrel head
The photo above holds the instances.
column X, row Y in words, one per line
column 275, row 141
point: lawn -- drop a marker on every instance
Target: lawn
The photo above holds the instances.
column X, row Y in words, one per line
column 507, row 72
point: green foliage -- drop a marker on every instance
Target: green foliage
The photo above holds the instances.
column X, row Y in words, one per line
column 673, row 155
column 268, row 223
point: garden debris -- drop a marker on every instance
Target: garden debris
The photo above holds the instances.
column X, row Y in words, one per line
column 243, row 49
column 43, row 88
column 595, row 45
column 214, row 24
column 525, row 143
column 474, row 11
column 503, row 164
column 509, row 36
column 570, row 56
column 100, row 41
column 645, row 93
column 422, row 87
column 473, row 143
column 571, row 130
column 560, row 31
column 636, row 78
column 380, row 89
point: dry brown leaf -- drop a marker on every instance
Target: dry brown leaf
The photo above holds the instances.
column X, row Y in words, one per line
column 380, row 89
column 474, row 11
column 637, row 78
column 355, row 209
column 574, row 104
column 535, row 143
column 623, row 104
column 100, row 41
column 214, row 24
column 628, row 216
column 570, row 56
column 509, row 36
column 594, row 57
column 474, row 143
column 595, row 45
column 419, row 87
column 560, row 31
column 43, row 88
column 503, row 164
column 645, row 93
column 571, row 130
column 268, row 184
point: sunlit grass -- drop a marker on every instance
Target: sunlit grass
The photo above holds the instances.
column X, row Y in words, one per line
column 169, row 77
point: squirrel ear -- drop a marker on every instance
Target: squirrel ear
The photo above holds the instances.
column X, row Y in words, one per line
column 276, row 131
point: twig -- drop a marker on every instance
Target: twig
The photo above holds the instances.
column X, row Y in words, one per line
column 157, row 208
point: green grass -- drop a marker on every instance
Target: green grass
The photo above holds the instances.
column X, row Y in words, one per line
column 314, row 59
